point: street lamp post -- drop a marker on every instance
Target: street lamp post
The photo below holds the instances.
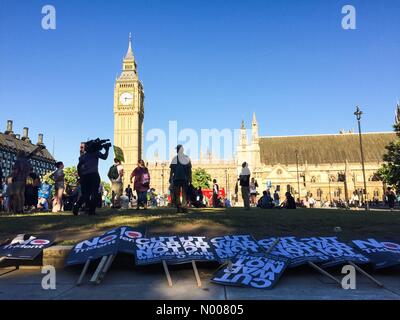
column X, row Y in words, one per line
column 297, row 166
column 329, row 185
column 358, row 114
column 162, row 175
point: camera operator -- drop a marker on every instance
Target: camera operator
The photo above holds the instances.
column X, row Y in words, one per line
column 88, row 172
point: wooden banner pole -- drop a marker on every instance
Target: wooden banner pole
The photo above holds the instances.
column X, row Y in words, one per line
column 9, row 271
column 379, row 284
column 83, row 273
column 167, row 273
column 196, row 273
column 273, row 245
column 99, row 268
column 313, row 265
column 230, row 265
column 105, row 269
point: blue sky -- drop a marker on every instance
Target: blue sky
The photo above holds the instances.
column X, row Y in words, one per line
column 205, row 64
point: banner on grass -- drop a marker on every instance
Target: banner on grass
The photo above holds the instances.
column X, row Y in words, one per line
column 299, row 253
column 338, row 252
column 120, row 239
column 260, row 271
column 25, row 246
column 383, row 254
column 227, row 247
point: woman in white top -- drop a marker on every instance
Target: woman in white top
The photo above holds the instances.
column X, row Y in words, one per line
column 253, row 192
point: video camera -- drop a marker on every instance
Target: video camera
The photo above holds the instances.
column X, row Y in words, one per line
column 97, row 145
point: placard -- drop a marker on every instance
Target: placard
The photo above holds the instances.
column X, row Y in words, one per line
column 227, row 247
column 197, row 248
column 298, row 252
column 261, row 271
column 339, row 252
column 382, row 253
column 25, row 246
column 156, row 249
column 120, row 239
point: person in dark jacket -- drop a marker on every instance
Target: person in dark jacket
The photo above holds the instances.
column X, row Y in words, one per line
column 289, row 202
column 180, row 178
column 88, row 171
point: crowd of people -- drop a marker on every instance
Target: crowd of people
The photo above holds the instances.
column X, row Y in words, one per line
column 24, row 191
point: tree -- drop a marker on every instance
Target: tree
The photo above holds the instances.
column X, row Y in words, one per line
column 200, row 178
column 71, row 176
column 106, row 186
column 390, row 171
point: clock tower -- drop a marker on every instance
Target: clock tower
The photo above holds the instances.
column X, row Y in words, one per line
column 129, row 113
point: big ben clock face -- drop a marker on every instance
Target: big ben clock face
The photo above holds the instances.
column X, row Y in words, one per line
column 126, row 98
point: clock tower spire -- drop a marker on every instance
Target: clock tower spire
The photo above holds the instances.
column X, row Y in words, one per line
column 129, row 112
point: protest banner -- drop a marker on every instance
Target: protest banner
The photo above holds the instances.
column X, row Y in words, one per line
column 261, row 271
column 157, row 249
column 382, row 253
column 227, row 247
column 299, row 253
column 338, row 252
column 25, row 246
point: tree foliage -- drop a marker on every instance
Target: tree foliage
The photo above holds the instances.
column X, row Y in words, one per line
column 71, row 176
column 200, row 178
column 390, row 170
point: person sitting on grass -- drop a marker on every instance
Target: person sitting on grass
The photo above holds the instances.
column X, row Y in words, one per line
column 289, row 202
column 266, row 201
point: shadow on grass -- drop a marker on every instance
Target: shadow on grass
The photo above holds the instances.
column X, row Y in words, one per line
column 208, row 222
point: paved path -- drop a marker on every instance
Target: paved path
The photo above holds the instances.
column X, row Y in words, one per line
column 151, row 284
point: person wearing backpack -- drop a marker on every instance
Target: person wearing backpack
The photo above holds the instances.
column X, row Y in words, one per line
column 180, row 178
column 141, row 184
column 115, row 174
column 244, row 179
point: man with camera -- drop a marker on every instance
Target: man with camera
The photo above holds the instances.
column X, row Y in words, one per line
column 88, row 171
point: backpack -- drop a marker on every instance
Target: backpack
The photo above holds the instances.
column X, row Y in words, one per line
column 113, row 173
column 145, row 179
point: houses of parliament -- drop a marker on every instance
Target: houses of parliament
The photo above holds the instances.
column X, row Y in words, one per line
column 328, row 166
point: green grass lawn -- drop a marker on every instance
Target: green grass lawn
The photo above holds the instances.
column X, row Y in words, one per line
column 209, row 222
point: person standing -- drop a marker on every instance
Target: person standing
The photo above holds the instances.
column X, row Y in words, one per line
column 116, row 174
column 244, row 181
column 253, row 191
column 276, row 198
column 215, row 194
column 180, row 178
column 129, row 192
column 59, row 187
column 141, row 183
column 391, row 198
column 88, row 171
column 19, row 175
column 31, row 191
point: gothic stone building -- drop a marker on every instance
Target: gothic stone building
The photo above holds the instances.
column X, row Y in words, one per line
column 328, row 166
